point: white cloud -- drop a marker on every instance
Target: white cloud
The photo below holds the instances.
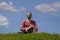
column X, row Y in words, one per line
column 10, row 3
column 53, row 14
column 9, row 7
column 53, row 7
column 45, row 8
column 22, row 9
column 56, row 5
column 4, row 21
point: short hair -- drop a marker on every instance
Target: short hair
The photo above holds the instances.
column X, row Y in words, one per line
column 29, row 13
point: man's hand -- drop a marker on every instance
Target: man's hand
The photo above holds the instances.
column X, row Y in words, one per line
column 27, row 29
column 31, row 25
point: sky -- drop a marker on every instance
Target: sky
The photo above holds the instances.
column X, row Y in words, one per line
column 46, row 13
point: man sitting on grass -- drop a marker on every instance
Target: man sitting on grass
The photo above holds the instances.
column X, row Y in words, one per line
column 29, row 25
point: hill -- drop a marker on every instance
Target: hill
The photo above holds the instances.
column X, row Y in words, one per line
column 32, row 36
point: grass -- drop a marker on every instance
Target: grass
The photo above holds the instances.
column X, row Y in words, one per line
column 32, row 36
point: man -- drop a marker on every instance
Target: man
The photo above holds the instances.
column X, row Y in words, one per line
column 29, row 25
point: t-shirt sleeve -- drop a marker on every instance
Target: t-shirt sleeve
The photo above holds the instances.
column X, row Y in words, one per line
column 22, row 26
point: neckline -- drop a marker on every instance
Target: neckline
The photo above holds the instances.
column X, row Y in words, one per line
column 29, row 21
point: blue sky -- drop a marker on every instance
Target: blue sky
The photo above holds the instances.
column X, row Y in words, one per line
column 45, row 12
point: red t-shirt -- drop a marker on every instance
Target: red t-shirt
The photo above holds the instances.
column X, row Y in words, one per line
column 26, row 24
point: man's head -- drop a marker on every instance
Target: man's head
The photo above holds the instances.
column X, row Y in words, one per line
column 29, row 15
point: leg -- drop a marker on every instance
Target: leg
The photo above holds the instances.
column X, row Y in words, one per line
column 24, row 32
column 30, row 30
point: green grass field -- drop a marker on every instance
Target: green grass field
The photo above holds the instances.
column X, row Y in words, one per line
column 32, row 36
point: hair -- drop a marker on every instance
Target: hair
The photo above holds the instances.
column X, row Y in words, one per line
column 29, row 13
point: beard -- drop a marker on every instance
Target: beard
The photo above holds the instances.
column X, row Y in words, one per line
column 29, row 18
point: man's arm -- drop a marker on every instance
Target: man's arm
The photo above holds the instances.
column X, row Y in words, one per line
column 35, row 27
column 22, row 28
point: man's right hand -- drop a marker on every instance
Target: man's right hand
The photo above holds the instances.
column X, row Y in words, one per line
column 27, row 29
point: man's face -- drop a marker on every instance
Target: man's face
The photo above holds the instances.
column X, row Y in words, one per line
column 29, row 15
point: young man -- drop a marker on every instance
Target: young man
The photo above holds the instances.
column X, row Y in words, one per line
column 29, row 25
